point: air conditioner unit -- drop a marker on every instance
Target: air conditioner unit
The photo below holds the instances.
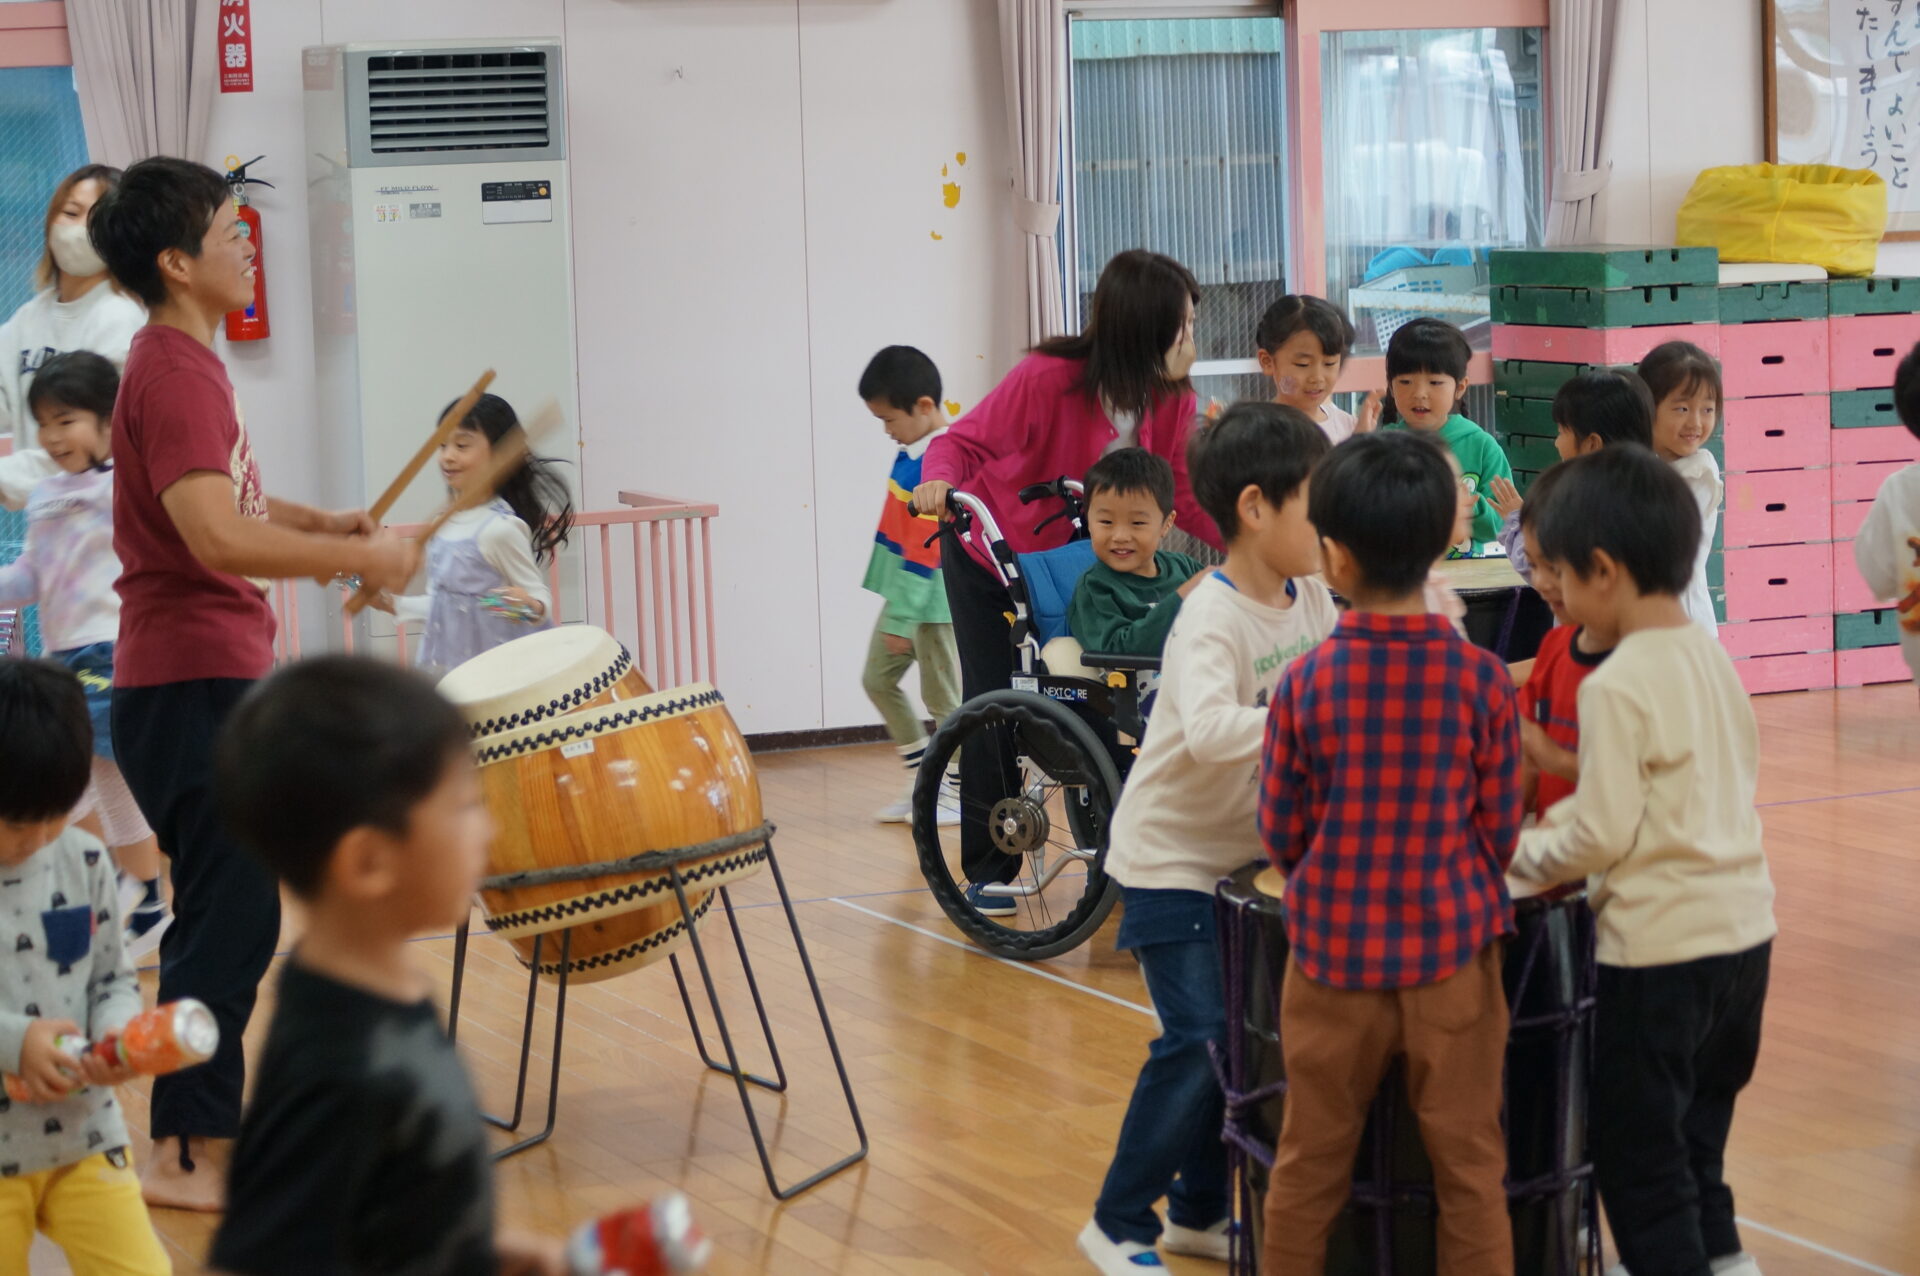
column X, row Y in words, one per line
column 441, row 246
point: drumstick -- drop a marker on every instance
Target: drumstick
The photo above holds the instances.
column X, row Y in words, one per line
column 508, row 453
column 449, row 422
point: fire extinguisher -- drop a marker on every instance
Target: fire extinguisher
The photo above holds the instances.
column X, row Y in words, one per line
column 249, row 324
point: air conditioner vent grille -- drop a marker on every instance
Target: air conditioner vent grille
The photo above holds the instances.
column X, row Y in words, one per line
column 458, row 101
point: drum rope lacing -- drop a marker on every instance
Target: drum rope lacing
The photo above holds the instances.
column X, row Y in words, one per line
column 564, row 703
column 646, row 861
column 665, row 935
column 560, row 733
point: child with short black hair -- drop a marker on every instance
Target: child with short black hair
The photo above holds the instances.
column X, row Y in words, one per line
column 1186, row 818
column 69, row 568
column 362, row 1147
column 1126, row 602
column 1663, row 829
column 198, row 538
column 1887, row 551
column 65, row 1167
column 1590, row 411
column 1303, row 344
column 1427, row 378
column 901, row 387
column 1390, row 799
column 1688, row 403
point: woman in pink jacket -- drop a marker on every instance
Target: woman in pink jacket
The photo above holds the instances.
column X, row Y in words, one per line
column 1120, row 383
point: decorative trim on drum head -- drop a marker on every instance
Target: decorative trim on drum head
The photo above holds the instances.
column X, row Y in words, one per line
column 617, row 717
column 626, row 954
column 558, row 916
column 566, row 702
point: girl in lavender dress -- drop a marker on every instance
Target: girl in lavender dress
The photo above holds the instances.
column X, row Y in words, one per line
column 484, row 579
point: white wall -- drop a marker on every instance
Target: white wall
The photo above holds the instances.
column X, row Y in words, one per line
column 756, row 185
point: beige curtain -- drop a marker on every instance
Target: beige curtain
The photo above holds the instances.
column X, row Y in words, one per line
column 1033, row 35
column 146, row 72
column 1580, row 37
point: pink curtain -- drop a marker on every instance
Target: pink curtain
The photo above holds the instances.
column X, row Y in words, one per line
column 1033, row 36
column 1580, row 36
column 145, row 70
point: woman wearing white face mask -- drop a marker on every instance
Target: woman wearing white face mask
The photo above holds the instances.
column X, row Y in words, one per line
column 78, row 308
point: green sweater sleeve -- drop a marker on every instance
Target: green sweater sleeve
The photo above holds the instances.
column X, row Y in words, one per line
column 1482, row 460
column 1120, row 613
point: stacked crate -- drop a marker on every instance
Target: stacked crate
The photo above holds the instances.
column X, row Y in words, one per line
column 1563, row 311
column 1775, row 532
column 1874, row 324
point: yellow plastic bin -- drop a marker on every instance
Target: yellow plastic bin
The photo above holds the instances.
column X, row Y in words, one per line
column 1831, row 217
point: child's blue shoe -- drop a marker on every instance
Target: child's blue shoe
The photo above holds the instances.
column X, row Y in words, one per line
column 991, row 905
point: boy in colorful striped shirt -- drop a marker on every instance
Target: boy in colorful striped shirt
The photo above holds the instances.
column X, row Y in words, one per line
column 901, row 387
column 1390, row 798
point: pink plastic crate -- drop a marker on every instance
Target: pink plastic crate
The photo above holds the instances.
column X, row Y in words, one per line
column 1809, row 671
column 1787, row 433
column 1869, row 665
column 1865, row 446
column 1774, row 358
column 1778, row 507
column 1779, row 581
column 1861, row 482
column 1850, row 592
column 1865, row 349
column 1794, row 636
column 1598, row 345
column 1848, row 518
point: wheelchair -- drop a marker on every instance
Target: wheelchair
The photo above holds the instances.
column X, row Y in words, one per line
column 1065, row 739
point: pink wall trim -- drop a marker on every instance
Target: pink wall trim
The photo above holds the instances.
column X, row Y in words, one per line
column 34, row 35
column 1366, row 372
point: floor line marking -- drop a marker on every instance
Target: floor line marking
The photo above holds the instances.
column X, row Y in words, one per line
column 1023, row 966
column 1818, row 1248
column 1840, row 797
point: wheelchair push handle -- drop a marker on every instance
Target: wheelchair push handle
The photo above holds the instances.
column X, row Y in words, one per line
column 1068, row 491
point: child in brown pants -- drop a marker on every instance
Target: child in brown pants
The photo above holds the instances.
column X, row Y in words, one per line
column 1390, row 797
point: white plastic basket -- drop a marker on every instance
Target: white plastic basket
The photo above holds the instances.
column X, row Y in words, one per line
column 1458, row 292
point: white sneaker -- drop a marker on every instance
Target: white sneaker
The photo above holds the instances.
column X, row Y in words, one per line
column 949, row 808
column 132, row 891
column 900, row 812
column 1117, row 1258
column 1215, row 1242
column 144, row 927
column 1741, row 1264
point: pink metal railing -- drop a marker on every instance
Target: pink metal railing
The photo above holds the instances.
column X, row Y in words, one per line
column 655, row 588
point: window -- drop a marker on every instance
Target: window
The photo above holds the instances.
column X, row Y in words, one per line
column 1178, row 144
column 41, row 141
column 1434, row 154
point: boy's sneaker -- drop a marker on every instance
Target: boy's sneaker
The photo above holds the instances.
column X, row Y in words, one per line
column 949, row 808
column 132, row 891
column 1741, row 1264
column 1117, row 1258
column 145, row 926
column 994, row 906
column 1215, row 1242
column 900, row 812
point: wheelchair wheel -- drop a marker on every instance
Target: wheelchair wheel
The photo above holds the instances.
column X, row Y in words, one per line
column 1052, row 817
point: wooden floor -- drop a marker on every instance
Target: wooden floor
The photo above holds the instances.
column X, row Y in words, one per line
column 993, row 1091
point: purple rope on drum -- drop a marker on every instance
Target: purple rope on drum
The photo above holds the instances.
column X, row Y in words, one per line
column 1388, row 1227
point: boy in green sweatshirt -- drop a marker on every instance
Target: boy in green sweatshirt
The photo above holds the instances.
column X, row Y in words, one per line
column 1427, row 374
column 1126, row 602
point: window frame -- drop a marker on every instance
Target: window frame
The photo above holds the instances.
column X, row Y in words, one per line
column 34, row 34
column 1306, row 21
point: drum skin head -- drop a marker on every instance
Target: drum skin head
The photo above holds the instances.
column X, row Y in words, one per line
column 541, row 676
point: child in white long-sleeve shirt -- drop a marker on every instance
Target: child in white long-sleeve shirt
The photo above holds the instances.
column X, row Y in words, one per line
column 1186, row 818
column 65, row 1165
column 1684, row 381
column 69, row 568
column 484, row 583
column 1888, row 548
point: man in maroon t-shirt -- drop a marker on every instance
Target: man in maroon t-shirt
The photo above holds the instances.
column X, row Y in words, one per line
column 198, row 539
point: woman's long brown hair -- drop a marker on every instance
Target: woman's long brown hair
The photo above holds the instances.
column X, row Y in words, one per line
column 1138, row 308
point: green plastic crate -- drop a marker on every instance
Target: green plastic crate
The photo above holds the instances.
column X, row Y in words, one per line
column 1716, row 447
column 1717, row 571
column 1529, row 452
column 1513, row 415
column 1880, row 295
column 1862, row 409
column 1761, row 303
column 1856, row 630
column 1605, row 308
column 1523, row 479
column 1533, row 379
column 1605, row 266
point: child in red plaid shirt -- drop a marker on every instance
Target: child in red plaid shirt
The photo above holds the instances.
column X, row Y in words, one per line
column 1390, row 798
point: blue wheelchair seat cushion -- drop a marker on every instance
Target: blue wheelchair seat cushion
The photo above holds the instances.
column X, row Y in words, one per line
column 1051, row 576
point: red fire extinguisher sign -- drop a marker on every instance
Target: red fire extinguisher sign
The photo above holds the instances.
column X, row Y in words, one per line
column 250, row 323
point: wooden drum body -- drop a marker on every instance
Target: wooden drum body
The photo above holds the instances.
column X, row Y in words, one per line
column 655, row 774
